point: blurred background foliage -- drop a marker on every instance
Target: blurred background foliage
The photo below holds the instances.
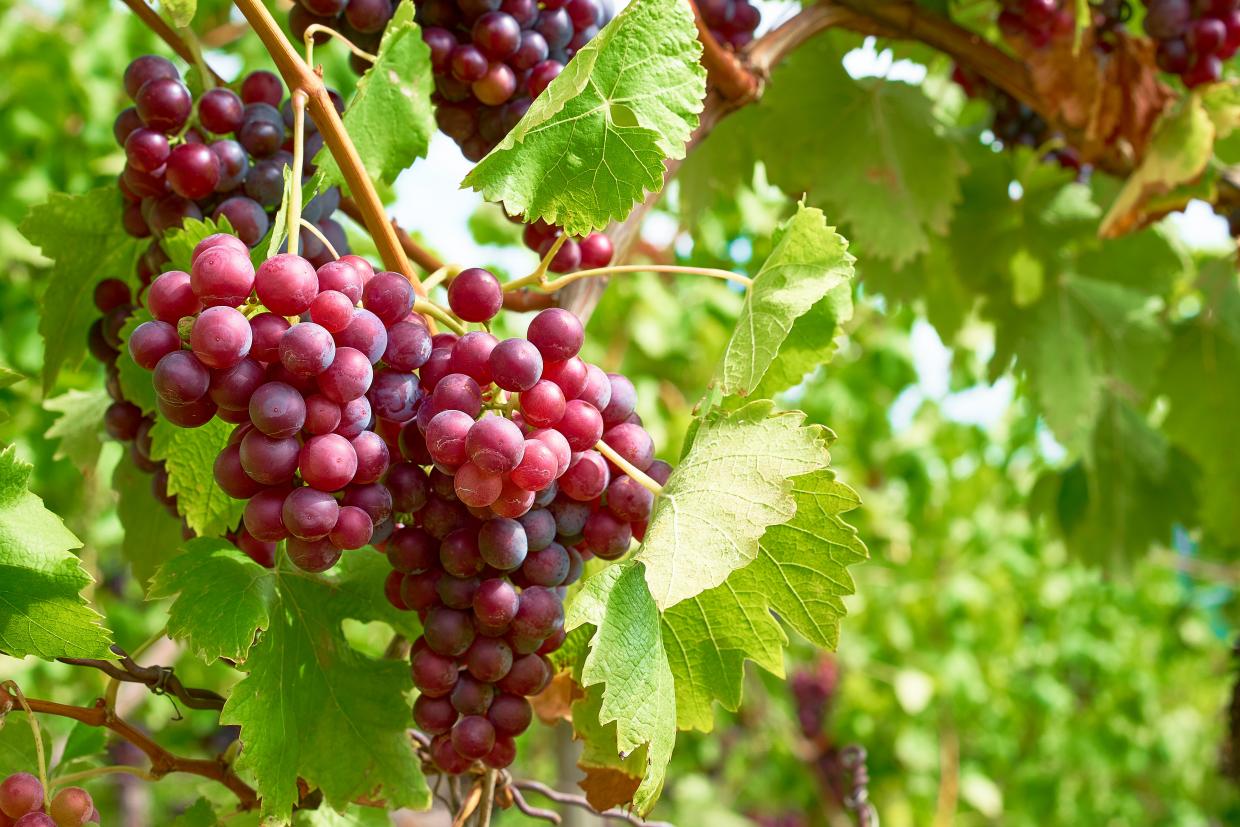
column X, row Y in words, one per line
column 1043, row 634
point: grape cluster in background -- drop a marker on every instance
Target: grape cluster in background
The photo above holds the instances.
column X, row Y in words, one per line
column 731, row 22
column 23, row 803
column 1038, row 20
column 1194, row 38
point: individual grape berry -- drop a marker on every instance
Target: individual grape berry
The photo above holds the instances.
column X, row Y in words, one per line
column 146, row 150
column 366, row 333
column 516, row 365
column 529, row 675
column 408, row 347
column 448, row 632
column 220, row 111
column 246, row 216
column 232, row 388
column 571, row 375
column 543, row 73
column 548, row 567
column 372, row 457
column 473, row 736
column 332, row 310
column 222, row 275
column 495, row 444
column 179, row 378
column 597, row 390
column 277, row 409
column 586, row 478
column 373, row 498
column 368, row 16
column 475, row 294
column 502, row 754
column 543, row 405
column 152, row 341
column 510, row 714
column 475, row 487
column 389, row 296
column 539, row 614
column 230, row 476
column 286, row 284
column 189, row 415
column 596, row 251
column 434, row 716
column 193, row 171
column 496, row 86
column 581, row 425
column 147, row 68
column 497, row 34
column 264, row 515
column 489, row 658
column 629, row 500
column 607, row 535
column 164, row 104
column 457, row 392
column 35, row 820
column 348, row 377
column 309, row 514
column 557, row 334
column 220, row 337
column 446, row 437
column 312, row 555
column 267, row 330
column 471, row 696
column 20, row 793
column 327, row 462
column 269, row 460
column 394, row 395
column 503, row 544
column 355, row 417
column 307, row 350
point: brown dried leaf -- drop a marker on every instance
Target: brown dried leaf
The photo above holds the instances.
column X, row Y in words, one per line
column 555, row 702
column 607, row 787
column 1110, row 101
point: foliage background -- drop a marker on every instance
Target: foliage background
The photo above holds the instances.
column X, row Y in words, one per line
column 1043, row 633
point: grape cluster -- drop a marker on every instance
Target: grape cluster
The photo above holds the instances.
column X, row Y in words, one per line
column 515, row 499
column 731, row 22
column 813, row 692
column 23, row 804
column 1194, row 36
column 594, row 250
column 492, row 58
column 1039, row 21
column 1013, row 123
column 222, row 156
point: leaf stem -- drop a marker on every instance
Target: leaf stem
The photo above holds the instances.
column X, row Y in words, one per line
column 297, row 74
column 646, row 481
column 13, row 689
column 299, row 160
column 317, row 233
column 565, row 280
column 429, row 308
column 445, row 273
column 315, row 28
column 95, row 772
column 539, row 276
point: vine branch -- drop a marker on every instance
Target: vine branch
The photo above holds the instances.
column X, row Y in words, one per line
column 161, row 680
column 162, row 761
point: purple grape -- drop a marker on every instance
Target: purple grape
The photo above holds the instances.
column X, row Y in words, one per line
column 516, row 365
column 368, row 15
column 164, row 104
column 269, row 460
column 277, row 410
column 389, row 296
column 446, row 437
column 457, row 392
column 548, row 567
column 327, row 462
column 179, row 378
column 286, row 284
column 264, row 515
column 496, row 86
column 530, row 52
column 557, row 334
column 502, row 544
column 434, row 716
column 246, row 216
column 473, row 737
column 234, row 166
column 348, row 377
column 146, row 68
column 511, row 715
column 607, row 536
column 220, row 111
column 232, row 388
column 230, row 476
column 459, row 554
column 222, row 276
column 471, row 696
column 629, row 500
column 355, row 417
column 489, row 658
column 193, row 171
column 220, row 337
column 433, row 674
column 146, row 150
column 497, row 35
column 412, row 550
column 475, row 294
column 468, row 63
column 307, row 350
column 372, row 457
column 312, row 555
column 475, row 487
column 457, row 592
column 352, row 530
column 540, row 614
column 394, row 395
column 267, row 329
column 152, row 341
column 586, row 478
column 529, row 675
column 448, row 631
column 471, row 355
column 408, row 347
column 495, row 444
column 542, row 74
column 571, row 375
column 374, row 499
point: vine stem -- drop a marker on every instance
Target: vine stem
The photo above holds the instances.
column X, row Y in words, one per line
column 443, row 274
column 298, row 75
column 646, row 481
column 15, row 691
column 299, row 160
column 488, row 799
column 564, row 281
column 317, row 28
column 96, row 772
column 539, row 276
column 163, row 762
column 429, row 308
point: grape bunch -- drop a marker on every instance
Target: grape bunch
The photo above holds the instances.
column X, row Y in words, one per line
column 1013, row 123
column 1039, row 21
column 594, row 250
column 516, row 498
column 813, row 692
column 1194, row 36
column 23, row 804
column 731, row 22
column 492, row 58
column 222, row 156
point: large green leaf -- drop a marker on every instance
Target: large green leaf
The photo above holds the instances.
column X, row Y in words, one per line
column 390, row 119
column 41, row 609
column 78, row 428
column 809, row 261
column 595, row 141
column 83, row 236
column 189, row 457
column 735, row 482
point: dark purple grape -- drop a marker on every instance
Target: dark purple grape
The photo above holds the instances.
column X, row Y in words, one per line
column 496, row 86
column 458, row 392
column 542, row 74
column 164, row 104
column 355, row 417
column 408, row 347
column 529, row 675
column 147, row 68
column 234, row 165
column 497, row 35
column 502, row 544
column 269, row 460
column 262, row 87
column 353, row 529
column 179, row 378
column 468, row 63
column 459, row 554
column 389, row 296
column 232, row 388
column 511, row 715
column 220, row 111
column 607, row 535
column 471, row 356
column 433, row 674
column 366, row 333
column 231, row 477
column 246, row 217
column 516, row 365
column 596, row 251
column 348, row 377
column 264, row 515
column 152, row 341
column 448, row 631
column 394, row 395
column 146, row 150
column 471, row 696
column 557, row 334
column 548, row 567
column 524, row 11
column 475, row 294
column 268, row 329
column 262, row 131
column 434, row 716
column 368, row 15
column 286, row 284
column 473, row 736
column 312, row 555
column 412, row 550
column 495, row 444
column 126, row 122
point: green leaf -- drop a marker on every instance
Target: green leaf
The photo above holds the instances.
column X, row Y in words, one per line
column 313, row 708
column 83, row 742
column 595, row 141
column 17, row 752
column 353, row 817
column 181, row 11
column 152, row 536
column 84, row 237
column 390, row 119
column 135, row 380
column 735, row 481
column 202, row 814
column 41, row 609
column 1179, row 150
column 78, row 426
column 807, row 263
column 627, row 658
column 189, row 457
column 800, row 576
column 223, row 598
column 9, row 377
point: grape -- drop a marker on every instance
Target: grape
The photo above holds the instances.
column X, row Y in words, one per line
column 607, row 536
column 389, row 296
column 475, row 294
column 457, row 592
column 475, row 487
column 341, row 277
column 394, row 395
column 35, row 820
column 110, row 294
column 121, row 420
column 502, row 543
column 557, row 334
column 220, row 110
column 538, row 467
column 230, row 476
column 510, row 714
column 262, row 87
column 193, row 171
column 269, row 460
column 448, row 631
column 548, row 567
column 446, row 437
column 312, row 555
column 468, row 63
column 262, row 130
column 570, row 374
column 581, row 425
column 446, row 757
column 152, row 341
column 220, row 337
column 495, row 444
column 539, row 614
column 496, row 86
column 559, row 448
column 264, row 515
column 133, row 222
column 188, row 415
column 473, row 736
column 489, row 658
column 309, row 514
column 277, row 409
column 502, row 754
column 286, row 284
column 540, row 529
column 267, row 330
column 408, row 485
column 366, row 333
column 170, row 213
column 307, row 350
column 353, row 529
column 434, row 716
column 628, row 500
column 597, row 391
column 373, row 498
column 372, row 457
column 408, row 346
column 470, row 696
column 322, row 415
column 623, row 400
column 596, row 251
column 531, row 51
column 265, row 183
column 459, row 392
column 631, row 442
column 543, row 73
column 126, row 122
column 179, row 378
column 459, row 554
column 587, row 476
column 411, row 550
column 368, row 15
column 263, row 553
column 419, row 591
column 543, row 405
column 348, row 377
column 147, row 68
column 328, row 462
column 529, row 675
column 441, row 42
column 246, row 216
column 435, row 368
column 222, row 275
column 1168, row 19
column 513, row 501
column 497, row 34
column 470, row 356
column 170, row 297
column 232, row 388
column 146, row 150
column 355, row 417
column 164, row 104
column 516, row 365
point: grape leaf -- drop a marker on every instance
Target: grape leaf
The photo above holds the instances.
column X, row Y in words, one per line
column 152, row 536
column 17, row 752
column 612, row 776
column 595, row 141
column 83, row 742
column 808, row 261
column 135, row 380
column 312, row 707
column 41, row 609
column 202, row 814
column 189, row 458
column 627, row 657
column 78, row 425
column 8, row 377
column 390, row 119
column 1180, row 149
column 223, row 598
column 734, row 483
column 354, row 817
column 799, row 576
column 83, row 235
